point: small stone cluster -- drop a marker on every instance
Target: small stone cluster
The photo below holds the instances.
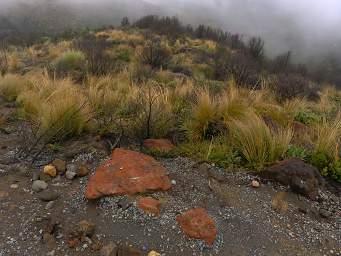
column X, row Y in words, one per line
column 130, row 173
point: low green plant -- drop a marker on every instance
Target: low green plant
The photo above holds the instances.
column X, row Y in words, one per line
column 216, row 151
column 328, row 167
column 306, row 117
column 295, row 151
column 333, row 170
column 72, row 63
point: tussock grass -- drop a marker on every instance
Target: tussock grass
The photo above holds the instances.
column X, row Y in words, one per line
column 328, row 138
column 57, row 108
column 257, row 143
column 232, row 104
column 11, row 86
column 204, row 115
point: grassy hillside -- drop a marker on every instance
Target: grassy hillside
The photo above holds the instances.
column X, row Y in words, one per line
column 219, row 98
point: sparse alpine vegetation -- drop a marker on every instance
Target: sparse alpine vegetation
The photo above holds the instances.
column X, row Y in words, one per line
column 218, row 97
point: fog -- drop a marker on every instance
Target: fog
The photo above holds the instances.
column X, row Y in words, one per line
column 308, row 28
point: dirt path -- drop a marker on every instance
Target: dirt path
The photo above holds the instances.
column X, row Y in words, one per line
column 269, row 220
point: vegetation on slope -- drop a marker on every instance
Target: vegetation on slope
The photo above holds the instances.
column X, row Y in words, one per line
column 219, row 98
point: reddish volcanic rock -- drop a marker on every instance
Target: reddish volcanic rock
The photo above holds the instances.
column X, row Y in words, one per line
column 127, row 173
column 196, row 223
column 149, row 205
column 163, row 145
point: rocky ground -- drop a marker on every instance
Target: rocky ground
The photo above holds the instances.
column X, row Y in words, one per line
column 252, row 216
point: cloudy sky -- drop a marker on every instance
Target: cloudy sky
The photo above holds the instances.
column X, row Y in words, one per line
column 306, row 27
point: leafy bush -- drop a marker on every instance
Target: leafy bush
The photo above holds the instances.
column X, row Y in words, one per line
column 255, row 48
column 236, row 65
column 306, row 117
column 154, row 55
column 95, row 49
column 333, row 170
column 72, row 64
column 297, row 152
column 289, row 86
column 257, row 143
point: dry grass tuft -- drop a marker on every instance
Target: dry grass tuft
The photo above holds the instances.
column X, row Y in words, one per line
column 328, row 138
column 58, row 108
column 11, row 86
column 257, row 143
column 204, row 115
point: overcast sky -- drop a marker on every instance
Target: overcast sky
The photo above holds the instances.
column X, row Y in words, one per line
column 307, row 27
column 304, row 26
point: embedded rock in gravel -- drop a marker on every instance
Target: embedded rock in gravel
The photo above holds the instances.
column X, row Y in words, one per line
column 86, row 228
column 39, row 185
column 154, row 253
column 108, row 250
column 70, row 175
column 113, row 250
column 302, row 178
column 127, row 173
column 149, row 205
column 196, row 223
column 50, row 170
column 162, row 145
column 3, row 194
column 279, row 202
column 48, row 195
column 255, row 184
column 45, row 177
column 60, row 165
column 82, row 170
column 14, row 186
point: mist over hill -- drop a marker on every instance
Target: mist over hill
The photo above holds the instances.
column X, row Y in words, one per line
column 309, row 29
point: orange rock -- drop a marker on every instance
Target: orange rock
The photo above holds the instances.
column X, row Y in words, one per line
column 127, row 173
column 196, row 223
column 3, row 194
column 163, row 145
column 50, row 170
column 149, row 205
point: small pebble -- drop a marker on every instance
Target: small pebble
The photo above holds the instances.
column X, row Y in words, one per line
column 255, row 184
column 70, row 175
column 14, row 186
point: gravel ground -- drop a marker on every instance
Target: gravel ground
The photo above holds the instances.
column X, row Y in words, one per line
column 248, row 222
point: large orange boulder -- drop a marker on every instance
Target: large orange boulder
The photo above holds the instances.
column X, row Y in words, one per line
column 149, row 205
column 162, row 145
column 196, row 223
column 127, row 173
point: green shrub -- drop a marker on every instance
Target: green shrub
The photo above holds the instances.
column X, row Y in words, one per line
column 333, row 170
column 328, row 167
column 306, row 117
column 124, row 56
column 297, row 152
column 72, row 64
